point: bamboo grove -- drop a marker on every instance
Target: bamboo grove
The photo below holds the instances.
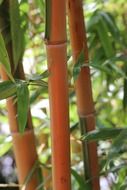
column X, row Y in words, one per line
column 14, row 88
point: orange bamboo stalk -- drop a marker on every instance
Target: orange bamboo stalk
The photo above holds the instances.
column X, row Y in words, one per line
column 83, row 89
column 58, row 96
column 24, row 145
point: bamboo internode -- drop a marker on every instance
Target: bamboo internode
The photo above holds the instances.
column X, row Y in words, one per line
column 83, row 90
column 58, row 96
column 58, row 93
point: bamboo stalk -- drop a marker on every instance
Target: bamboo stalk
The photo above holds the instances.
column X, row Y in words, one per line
column 83, row 90
column 24, row 145
column 58, row 95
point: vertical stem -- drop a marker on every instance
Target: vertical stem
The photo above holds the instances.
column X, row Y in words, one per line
column 24, row 145
column 58, row 95
column 83, row 89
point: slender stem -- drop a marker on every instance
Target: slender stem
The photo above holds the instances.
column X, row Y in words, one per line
column 48, row 19
column 83, row 90
column 24, row 145
column 58, row 96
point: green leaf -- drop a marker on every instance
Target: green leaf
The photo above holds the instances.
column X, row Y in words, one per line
column 41, row 6
column 2, row 138
column 117, row 144
column 7, row 89
column 116, row 68
column 111, row 24
column 5, row 146
column 4, row 59
column 74, row 126
column 78, row 65
column 22, row 105
column 1, row 1
column 78, row 178
column 34, row 169
column 39, row 83
column 36, row 77
column 93, row 21
column 124, row 186
column 82, row 184
column 103, row 33
column 16, row 32
column 102, row 68
column 36, row 94
column 102, row 134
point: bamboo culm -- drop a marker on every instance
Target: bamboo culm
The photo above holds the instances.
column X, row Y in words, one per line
column 23, row 144
column 83, row 90
column 58, row 95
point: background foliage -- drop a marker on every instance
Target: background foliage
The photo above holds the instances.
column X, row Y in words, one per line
column 106, row 23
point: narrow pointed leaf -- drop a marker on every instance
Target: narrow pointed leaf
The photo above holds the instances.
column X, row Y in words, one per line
column 103, row 31
column 4, row 148
column 4, row 59
column 36, row 77
column 102, row 134
column 111, row 24
column 22, row 105
column 16, row 32
column 7, row 89
column 101, row 68
column 79, row 63
column 117, row 144
column 80, row 181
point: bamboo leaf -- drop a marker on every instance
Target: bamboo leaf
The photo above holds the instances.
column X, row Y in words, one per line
column 40, row 5
column 22, row 105
column 117, row 144
column 124, row 186
column 102, row 134
column 31, row 173
column 39, row 83
column 36, row 77
column 91, row 25
column 1, row 1
column 5, row 146
column 74, row 126
column 16, row 32
column 101, row 68
column 114, row 67
column 4, row 59
column 7, row 89
column 104, row 38
column 78, row 178
column 36, row 94
column 79, row 63
column 111, row 24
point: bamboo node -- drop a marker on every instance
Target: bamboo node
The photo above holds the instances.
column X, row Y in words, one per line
column 92, row 114
column 49, row 43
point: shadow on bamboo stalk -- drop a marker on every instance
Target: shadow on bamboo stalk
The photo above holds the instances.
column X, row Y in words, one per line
column 83, row 90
